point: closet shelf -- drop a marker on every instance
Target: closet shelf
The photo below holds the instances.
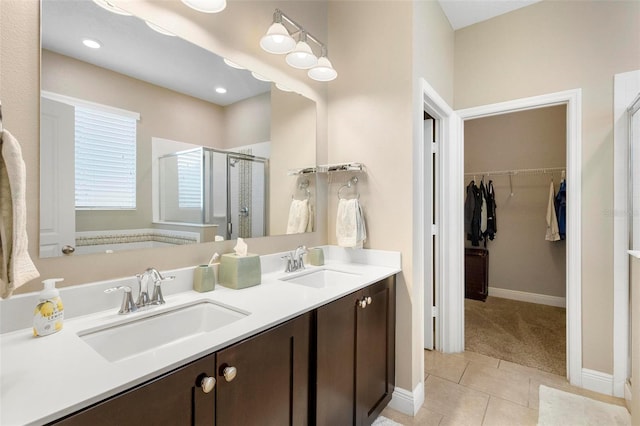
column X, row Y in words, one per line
column 514, row 172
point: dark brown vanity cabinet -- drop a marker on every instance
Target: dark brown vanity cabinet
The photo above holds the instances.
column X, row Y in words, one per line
column 355, row 368
column 176, row 398
column 269, row 381
column 331, row 366
column 263, row 380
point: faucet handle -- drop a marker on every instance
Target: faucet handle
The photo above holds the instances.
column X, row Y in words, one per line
column 127, row 300
column 289, row 258
column 156, row 298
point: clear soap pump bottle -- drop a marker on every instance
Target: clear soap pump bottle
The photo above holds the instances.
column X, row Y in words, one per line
column 49, row 314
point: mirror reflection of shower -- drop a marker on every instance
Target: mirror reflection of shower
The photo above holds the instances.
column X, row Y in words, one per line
column 205, row 186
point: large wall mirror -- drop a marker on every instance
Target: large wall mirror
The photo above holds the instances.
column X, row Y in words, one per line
column 149, row 140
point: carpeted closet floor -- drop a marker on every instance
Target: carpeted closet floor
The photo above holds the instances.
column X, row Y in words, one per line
column 524, row 333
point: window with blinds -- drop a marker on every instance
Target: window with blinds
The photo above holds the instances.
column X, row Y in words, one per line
column 189, row 180
column 105, row 160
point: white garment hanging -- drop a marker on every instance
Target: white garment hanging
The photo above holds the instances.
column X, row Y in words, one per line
column 553, row 232
column 298, row 217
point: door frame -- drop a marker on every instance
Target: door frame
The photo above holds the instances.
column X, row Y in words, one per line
column 626, row 86
column 451, row 300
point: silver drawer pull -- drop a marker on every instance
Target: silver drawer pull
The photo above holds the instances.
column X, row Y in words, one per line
column 207, row 384
column 369, row 300
column 229, row 373
column 362, row 303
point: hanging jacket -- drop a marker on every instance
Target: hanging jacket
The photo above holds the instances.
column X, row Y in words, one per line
column 473, row 207
column 492, row 226
column 483, row 209
column 469, row 206
column 552, row 220
column 561, row 209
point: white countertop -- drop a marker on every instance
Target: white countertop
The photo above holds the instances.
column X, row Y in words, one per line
column 45, row 378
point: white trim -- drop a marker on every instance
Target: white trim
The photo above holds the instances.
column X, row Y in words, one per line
column 523, row 296
column 449, row 263
column 634, row 253
column 626, row 86
column 69, row 100
column 408, row 402
column 573, row 100
column 627, row 394
column 597, row 381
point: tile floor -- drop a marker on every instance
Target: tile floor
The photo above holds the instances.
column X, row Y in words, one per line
column 474, row 389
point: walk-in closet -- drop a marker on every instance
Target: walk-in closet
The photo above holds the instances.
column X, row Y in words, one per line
column 515, row 228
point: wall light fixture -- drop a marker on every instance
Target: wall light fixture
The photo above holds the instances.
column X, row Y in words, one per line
column 279, row 39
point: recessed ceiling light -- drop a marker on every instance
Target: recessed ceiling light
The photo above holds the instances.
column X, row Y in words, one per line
column 259, row 77
column 159, row 29
column 206, row 6
column 106, row 4
column 283, row 88
column 221, row 90
column 93, row 44
column 233, row 64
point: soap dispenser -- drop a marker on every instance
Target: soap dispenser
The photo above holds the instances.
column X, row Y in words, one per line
column 49, row 314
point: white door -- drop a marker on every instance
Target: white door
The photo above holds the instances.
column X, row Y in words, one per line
column 429, row 229
column 57, row 177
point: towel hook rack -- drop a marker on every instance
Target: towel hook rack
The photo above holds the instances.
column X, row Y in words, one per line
column 350, row 183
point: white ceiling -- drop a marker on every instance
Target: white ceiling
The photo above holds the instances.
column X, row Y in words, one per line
column 462, row 13
column 131, row 48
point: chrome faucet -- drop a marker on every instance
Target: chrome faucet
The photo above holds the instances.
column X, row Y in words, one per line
column 294, row 259
column 143, row 293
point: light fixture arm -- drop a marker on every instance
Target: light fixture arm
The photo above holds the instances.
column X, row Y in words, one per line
column 279, row 16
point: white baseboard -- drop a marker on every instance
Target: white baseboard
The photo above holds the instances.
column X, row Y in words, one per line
column 523, row 296
column 408, row 402
column 597, row 381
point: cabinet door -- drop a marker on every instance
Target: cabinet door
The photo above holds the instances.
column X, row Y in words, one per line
column 271, row 380
column 375, row 351
column 173, row 399
column 335, row 369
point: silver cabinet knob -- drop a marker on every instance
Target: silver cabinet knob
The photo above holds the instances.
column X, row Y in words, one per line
column 207, row 384
column 369, row 300
column 68, row 249
column 229, row 373
column 362, row 303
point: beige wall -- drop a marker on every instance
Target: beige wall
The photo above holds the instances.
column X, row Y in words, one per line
column 235, row 33
column 553, row 46
column 371, row 121
column 520, row 259
column 239, row 132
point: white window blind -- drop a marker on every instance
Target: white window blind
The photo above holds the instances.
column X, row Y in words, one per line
column 189, row 180
column 105, row 160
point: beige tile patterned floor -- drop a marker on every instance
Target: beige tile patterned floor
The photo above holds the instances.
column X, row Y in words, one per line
column 474, row 389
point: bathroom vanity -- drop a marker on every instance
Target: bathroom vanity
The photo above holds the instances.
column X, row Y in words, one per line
column 311, row 347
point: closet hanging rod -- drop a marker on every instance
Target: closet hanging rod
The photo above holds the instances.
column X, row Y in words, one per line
column 539, row 171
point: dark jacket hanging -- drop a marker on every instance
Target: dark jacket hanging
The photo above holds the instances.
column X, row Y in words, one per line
column 561, row 209
column 472, row 214
column 492, row 226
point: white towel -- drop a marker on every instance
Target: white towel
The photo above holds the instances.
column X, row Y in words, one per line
column 553, row 232
column 16, row 267
column 350, row 227
column 298, row 217
column 312, row 218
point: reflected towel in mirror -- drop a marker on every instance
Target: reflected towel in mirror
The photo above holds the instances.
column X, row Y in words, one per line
column 298, row 217
column 350, row 227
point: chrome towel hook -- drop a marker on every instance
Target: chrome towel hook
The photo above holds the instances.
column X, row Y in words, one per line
column 350, row 183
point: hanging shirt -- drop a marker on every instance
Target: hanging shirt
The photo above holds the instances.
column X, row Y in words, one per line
column 483, row 209
column 469, row 206
column 492, row 226
column 561, row 209
column 552, row 222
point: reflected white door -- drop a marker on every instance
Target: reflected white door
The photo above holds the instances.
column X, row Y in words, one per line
column 57, row 177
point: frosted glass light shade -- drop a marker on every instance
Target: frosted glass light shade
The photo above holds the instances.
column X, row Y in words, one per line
column 323, row 71
column 302, row 57
column 277, row 40
column 206, row 6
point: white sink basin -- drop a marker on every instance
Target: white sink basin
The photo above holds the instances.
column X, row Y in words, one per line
column 323, row 278
column 132, row 338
